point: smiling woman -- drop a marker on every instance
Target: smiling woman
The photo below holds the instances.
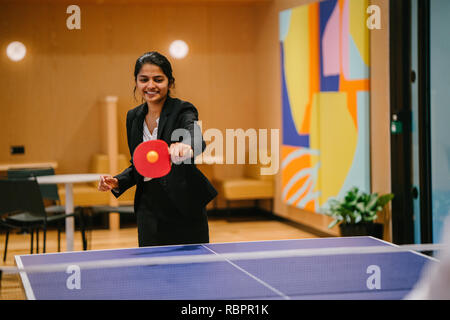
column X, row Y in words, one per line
column 153, row 64
column 170, row 209
column 153, row 84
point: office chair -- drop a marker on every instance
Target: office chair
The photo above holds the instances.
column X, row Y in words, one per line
column 22, row 206
column 49, row 192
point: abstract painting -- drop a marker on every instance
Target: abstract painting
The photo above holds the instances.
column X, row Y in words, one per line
column 325, row 65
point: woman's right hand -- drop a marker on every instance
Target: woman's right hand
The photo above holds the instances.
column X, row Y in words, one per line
column 107, row 183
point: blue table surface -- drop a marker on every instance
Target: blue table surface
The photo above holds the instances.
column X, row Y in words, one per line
column 319, row 277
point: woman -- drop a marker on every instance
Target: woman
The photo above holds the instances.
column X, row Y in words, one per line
column 171, row 209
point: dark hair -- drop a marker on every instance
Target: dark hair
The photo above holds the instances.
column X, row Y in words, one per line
column 156, row 59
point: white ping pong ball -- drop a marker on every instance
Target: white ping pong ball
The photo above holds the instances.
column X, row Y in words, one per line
column 178, row 49
column 16, row 51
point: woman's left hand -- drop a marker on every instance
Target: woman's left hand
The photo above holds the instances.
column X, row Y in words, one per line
column 179, row 152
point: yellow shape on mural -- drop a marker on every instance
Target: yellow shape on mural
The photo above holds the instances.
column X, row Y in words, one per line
column 296, row 64
column 314, row 136
column 335, row 135
column 358, row 27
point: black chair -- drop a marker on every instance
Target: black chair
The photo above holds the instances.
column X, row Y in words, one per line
column 109, row 209
column 98, row 209
column 50, row 193
column 22, row 206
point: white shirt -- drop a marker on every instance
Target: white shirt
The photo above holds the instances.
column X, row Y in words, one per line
column 150, row 136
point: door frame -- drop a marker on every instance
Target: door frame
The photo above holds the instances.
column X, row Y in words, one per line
column 401, row 113
column 401, row 78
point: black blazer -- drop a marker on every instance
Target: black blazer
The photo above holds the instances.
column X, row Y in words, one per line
column 185, row 185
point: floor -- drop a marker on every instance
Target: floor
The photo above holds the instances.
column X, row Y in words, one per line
column 222, row 229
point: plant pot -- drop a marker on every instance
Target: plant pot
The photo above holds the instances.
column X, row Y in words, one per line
column 361, row 229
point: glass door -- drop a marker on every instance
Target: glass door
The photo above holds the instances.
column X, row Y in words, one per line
column 440, row 113
column 415, row 119
column 430, row 117
column 420, row 115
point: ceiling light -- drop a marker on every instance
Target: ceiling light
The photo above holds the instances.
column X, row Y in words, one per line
column 178, row 49
column 16, row 51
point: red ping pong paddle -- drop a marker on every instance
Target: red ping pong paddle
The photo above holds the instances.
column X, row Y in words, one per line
column 152, row 158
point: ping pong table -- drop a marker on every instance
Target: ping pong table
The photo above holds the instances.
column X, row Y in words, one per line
column 346, row 276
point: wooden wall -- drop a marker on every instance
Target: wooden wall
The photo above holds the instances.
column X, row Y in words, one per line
column 51, row 101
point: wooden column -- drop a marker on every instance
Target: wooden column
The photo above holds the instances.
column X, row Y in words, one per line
column 112, row 150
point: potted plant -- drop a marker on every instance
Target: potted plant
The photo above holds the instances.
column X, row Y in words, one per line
column 357, row 212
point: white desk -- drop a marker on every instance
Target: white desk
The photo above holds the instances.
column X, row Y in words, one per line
column 68, row 180
column 27, row 165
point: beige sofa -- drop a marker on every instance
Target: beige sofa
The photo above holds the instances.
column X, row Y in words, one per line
column 252, row 186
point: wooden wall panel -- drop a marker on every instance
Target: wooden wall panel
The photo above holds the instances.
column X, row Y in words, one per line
column 51, row 101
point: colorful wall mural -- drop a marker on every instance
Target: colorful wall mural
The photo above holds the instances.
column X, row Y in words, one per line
column 325, row 100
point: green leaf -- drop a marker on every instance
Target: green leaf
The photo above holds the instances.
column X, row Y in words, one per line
column 371, row 218
column 357, row 206
column 372, row 202
column 384, row 199
column 332, row 224
column 360, row 206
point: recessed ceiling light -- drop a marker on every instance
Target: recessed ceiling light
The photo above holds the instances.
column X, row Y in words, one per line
column 178, row 49
column 16, row 51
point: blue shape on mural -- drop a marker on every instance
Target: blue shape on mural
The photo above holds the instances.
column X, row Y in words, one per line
column 329, row 83
column 290, row 135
